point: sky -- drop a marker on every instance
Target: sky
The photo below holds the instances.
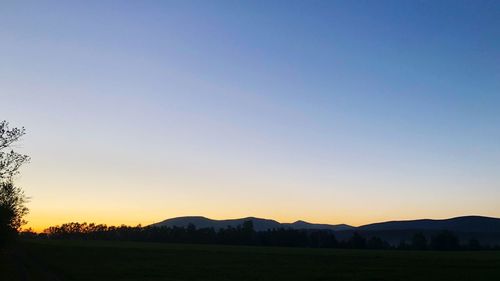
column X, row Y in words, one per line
column 326, row 111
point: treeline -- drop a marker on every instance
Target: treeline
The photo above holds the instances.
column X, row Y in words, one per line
column 246, row 235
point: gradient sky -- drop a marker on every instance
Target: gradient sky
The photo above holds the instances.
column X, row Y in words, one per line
column 326, row 111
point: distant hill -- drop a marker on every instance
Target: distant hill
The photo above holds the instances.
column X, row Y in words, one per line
column 485, row 229
column 306, row 225
column 467, row 224
column 258, row 223
column 458, row 224
column 203, row 222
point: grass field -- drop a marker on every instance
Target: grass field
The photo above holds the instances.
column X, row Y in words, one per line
column 99, row 260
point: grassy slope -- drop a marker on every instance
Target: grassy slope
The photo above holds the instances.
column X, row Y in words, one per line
column 98, row 260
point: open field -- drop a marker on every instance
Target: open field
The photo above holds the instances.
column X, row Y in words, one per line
column 100, row 260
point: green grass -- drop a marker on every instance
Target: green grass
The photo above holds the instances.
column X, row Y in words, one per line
column 127, row 261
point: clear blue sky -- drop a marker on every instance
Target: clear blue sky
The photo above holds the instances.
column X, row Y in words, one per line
column 330, row 111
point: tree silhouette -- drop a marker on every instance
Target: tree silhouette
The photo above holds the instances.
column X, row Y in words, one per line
column 418, row 241
column 247, row 232
column 473, row 245
column 12, row 198
column 376, row 242
column 10, row 161
column 445, row 240
column 357, row 241
column 402, row 245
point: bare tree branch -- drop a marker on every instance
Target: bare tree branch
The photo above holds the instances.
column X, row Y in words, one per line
column 8, row 135
column 11, row 161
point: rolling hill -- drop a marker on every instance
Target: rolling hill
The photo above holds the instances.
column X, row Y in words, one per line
column 467, row 226
column 458, row 224
column 258, row 223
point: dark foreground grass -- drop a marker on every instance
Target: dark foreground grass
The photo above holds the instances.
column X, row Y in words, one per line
column 98, row 260
column 8, row 269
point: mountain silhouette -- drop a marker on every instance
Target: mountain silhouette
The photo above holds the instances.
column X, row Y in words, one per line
column 259, row 224
column 306, row 225
column 466, row 224
column 203, row 222
column 458, row 224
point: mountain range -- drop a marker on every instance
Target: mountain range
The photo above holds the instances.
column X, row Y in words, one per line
column 459, row 224
column 484, row 229
column 259, row 224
